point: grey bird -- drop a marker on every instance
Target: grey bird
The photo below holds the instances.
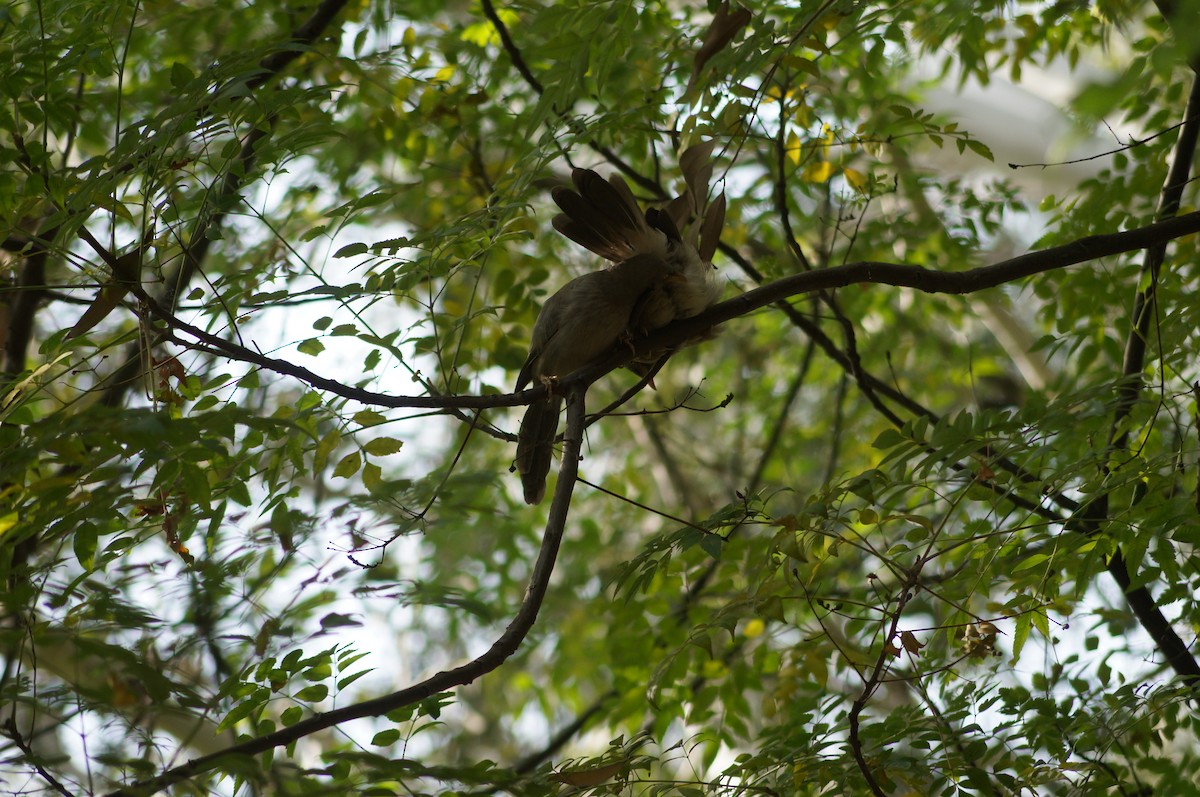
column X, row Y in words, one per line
column 583, row 320
column 662, row 271
column 604, row 217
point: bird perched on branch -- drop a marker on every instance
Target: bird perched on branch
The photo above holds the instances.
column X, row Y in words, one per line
column 583, row 320
column 604, row 217
column 661, row 271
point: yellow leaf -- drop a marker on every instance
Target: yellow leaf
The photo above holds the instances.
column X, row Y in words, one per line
column 857, row 179
column 819, row 172
column 480, row 34
column 793, row 148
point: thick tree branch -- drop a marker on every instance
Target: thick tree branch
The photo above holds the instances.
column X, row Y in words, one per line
column 1174, row 650
column 1145, row 302
column 29, row 290
column 923, row 279
column 1096, row 513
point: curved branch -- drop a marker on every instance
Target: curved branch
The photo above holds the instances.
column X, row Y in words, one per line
column 505, row 645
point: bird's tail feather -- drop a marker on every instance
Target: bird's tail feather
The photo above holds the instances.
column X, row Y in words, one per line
column 535, row 446
column 603, row 216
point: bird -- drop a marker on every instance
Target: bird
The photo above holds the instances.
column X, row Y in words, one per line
column 660, row 271
column 582, row 320
column 603, row 216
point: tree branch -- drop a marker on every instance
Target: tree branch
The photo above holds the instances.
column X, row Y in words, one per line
column 30, row 290
column 14, row 733
column 1096, row 513
column 923, row 279
column 505, row 645
column 510, row 46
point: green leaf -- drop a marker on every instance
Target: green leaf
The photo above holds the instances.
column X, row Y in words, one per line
column 239, row 712
column 319, row 672
column 1031, row 561
column 368, row 418
column 325, row 449
column 350, row 250
column 981, row 149
column 802, row 64
column 335, row 620
column 1021, row 630
column 348, row 466
column 372, row 477
column 349, row 679
column 313, row 694
column 181, row 75
column 312, row 347
column 888, row 438
column 86, row 540
column 386, row 738
column 383, row 446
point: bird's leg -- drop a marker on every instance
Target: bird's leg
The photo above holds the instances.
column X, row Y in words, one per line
column 550, row 382
column 627, row 338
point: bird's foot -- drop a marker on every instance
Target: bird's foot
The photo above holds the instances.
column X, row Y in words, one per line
column 627, row 338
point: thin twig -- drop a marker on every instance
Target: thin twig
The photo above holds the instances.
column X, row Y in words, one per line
column 12, row 732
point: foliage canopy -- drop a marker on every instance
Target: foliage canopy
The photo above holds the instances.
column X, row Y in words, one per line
column 921, row 519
